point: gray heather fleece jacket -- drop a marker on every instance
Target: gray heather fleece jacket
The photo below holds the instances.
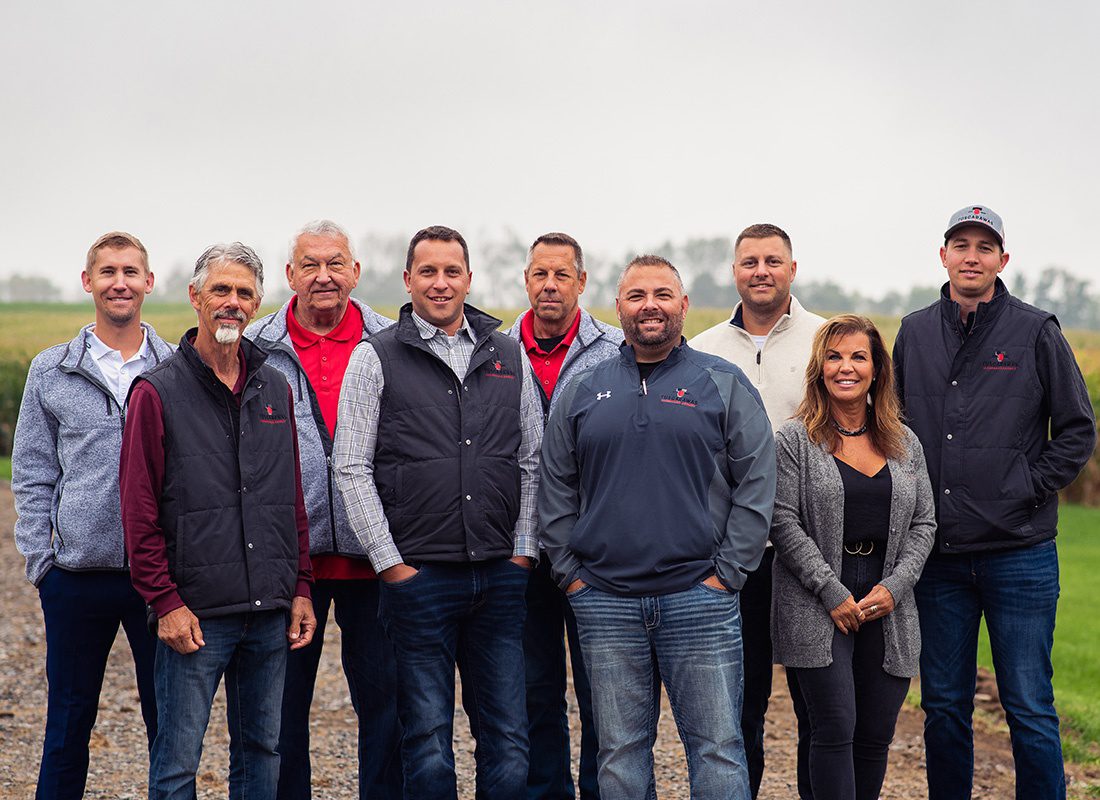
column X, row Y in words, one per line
column 595, row 342
column 808, row 533
column 329, row 530
column 65, row 461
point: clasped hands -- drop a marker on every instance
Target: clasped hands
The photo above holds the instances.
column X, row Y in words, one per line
column 849, row 615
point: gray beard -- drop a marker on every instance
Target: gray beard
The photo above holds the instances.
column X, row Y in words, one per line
column 226, row 335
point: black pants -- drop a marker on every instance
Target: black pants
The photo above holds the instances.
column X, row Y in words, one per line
column 853, row 703
column 756, row 638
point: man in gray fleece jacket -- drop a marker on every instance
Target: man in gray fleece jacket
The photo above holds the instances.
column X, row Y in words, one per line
column 65, row 482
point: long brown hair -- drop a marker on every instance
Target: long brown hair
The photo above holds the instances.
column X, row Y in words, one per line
column 884, row 412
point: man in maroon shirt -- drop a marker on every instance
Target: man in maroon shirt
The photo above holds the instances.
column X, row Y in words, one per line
column 310, row 340
column 216, row 532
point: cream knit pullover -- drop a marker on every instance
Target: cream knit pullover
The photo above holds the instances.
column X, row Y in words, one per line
column 778, row 369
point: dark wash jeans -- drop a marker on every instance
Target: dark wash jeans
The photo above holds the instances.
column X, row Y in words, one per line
column 250, row 650
column 371, row 672
column 82, row 612
column 1017, row 592
column 853, row 703
column 549, row 619
column 471, row 615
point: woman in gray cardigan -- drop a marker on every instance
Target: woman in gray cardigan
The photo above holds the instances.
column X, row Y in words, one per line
column 853, row 524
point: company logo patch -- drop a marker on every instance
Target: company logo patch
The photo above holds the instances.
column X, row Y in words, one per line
column 498, row 369
column 1000, row 363
column 603, row 395
column 682, row 397
column 269, row 417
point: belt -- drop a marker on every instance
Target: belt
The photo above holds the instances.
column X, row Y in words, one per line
column 864, row 548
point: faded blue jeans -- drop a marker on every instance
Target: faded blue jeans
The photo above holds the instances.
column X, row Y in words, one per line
column 1017, row 592
column 250, row 650
column 691, row 642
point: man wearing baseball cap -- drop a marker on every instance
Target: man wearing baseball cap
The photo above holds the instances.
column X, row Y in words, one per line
column 992, row 389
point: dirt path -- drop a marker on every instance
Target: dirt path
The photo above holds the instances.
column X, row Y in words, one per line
column 119, row 758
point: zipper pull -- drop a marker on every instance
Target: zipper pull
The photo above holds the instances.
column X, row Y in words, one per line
column 645, row 389
column 758, row 358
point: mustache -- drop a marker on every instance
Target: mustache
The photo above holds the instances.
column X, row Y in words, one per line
column 236, row 316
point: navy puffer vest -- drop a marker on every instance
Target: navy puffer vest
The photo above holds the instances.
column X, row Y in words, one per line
column 446, row 463
column 227, row 506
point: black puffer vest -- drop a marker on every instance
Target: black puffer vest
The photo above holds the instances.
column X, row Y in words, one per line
column 227, row 506
column 975, row 402
column 446, row 463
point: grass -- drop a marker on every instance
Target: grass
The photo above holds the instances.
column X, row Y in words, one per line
column 1076, row 635
column 5, row 469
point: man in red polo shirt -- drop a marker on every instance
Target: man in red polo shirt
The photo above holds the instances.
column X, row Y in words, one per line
column 561, row 340
column 310, row 340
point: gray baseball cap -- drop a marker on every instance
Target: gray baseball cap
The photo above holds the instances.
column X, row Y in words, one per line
column 976, row 215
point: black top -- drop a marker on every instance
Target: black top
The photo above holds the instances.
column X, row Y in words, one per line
column 866, row 503
column 548, row 345
column 645, row 368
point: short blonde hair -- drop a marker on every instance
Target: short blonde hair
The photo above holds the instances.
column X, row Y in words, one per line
column 116, row 240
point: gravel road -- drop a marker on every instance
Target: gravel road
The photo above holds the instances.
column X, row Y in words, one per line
column 119, row 759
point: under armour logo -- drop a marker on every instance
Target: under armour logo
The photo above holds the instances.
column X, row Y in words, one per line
column 603, row 395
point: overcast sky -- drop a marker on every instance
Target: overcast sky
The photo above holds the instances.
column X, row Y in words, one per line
column 858, row 127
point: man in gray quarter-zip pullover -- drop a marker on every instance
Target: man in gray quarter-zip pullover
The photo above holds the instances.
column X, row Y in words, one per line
column 65, row 482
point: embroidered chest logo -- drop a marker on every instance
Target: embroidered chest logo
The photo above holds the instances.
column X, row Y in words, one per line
column 603, row 395
column 498, row 369
column 270, row 417
column 682, row 397
column 1000, row 362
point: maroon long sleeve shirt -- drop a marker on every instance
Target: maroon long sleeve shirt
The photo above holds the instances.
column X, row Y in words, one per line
column 141, row 479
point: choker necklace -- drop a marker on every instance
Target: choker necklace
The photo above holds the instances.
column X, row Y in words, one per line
column 862, row 429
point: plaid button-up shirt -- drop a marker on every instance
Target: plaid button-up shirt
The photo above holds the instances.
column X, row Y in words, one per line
column 357, row 437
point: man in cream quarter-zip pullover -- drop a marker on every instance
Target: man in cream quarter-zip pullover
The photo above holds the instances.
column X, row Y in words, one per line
column 769, row 338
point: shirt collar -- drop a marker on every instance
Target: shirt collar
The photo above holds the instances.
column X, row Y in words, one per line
column 350, row 326
column 527, row 332
column 430, row 331
column 100, row 350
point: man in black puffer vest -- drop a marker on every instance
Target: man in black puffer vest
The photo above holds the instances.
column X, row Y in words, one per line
column 217, row 533
column 436, row 458
column 992, row 389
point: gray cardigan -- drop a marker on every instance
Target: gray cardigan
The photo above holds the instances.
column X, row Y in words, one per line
column 808, row 533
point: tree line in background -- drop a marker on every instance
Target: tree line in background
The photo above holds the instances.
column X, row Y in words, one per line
column 703, row 262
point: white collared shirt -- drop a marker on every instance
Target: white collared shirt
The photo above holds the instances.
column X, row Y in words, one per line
column 118, row 373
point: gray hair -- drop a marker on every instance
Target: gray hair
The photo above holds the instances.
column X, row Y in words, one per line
column 564, row 240
column 650, row 261
column 233, row 253
column 320, row 227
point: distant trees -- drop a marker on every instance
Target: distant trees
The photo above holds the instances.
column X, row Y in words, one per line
column 28, row 289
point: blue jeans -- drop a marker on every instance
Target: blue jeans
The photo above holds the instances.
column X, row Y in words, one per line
column 471, row 615
column 82, row 612
column 371, row 672
column 250, row 650
column 691, row 642
column 548, row 615
column 1017, row 591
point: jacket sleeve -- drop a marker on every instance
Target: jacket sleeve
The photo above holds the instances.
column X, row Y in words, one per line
column 793, row 545
column 36, row 473
column 750, row 458
column 559, row 490
column 1072, row 424
column 899, row 366
column 921, row 535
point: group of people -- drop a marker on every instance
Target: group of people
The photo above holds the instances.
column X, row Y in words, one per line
column 684, row 514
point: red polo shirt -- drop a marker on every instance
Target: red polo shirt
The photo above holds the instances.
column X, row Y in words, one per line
column 547, row 366
column 324, row 360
